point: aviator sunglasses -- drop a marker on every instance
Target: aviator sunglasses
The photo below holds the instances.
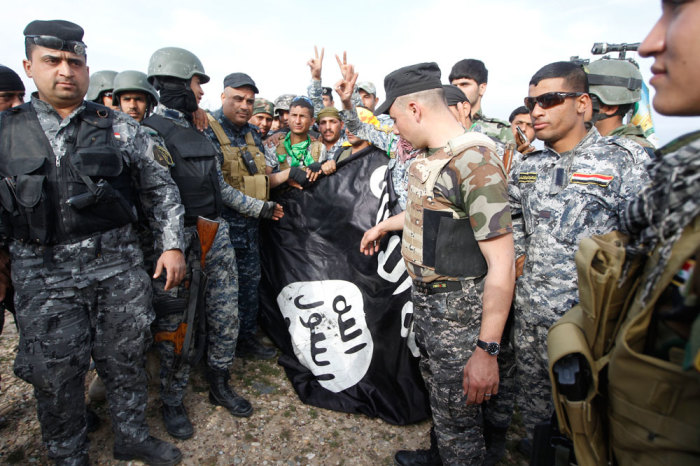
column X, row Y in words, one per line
column 549, row 99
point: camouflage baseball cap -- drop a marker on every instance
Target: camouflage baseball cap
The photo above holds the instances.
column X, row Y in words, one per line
column 368, row 87
column 263, row 106
column 282, row 102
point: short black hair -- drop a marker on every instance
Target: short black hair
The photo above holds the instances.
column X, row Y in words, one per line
column 304, row 102
column 574, row 76
column 470, row 68
column 518, row 111
column 29, row 46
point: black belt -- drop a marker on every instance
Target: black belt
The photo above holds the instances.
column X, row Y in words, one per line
column 437, row 286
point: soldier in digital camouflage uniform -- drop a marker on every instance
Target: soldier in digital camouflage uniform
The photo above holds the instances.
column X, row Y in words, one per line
column 178, row 75
column 457, row 191
column 575, row 187
column 77, row 269
column 231, row 128
column 471, row 76
column 615, row 86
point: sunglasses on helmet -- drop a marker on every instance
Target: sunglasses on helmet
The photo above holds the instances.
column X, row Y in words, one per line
column 549, row 99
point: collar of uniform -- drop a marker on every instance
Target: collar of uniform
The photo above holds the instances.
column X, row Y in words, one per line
column 172, row 114
column 479, row 115
column 229, row 126
column 592, row 137
column 44, row 108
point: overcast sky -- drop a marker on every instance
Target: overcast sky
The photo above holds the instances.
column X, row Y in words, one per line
column 273, row 39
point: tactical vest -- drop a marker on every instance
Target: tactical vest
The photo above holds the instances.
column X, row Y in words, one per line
column 315, row 149
column 252, row 181
column 627, row 406
column 194, row 170
column 50, row 203
column 434, row 235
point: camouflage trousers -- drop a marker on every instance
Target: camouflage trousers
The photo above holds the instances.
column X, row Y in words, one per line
column 248, row 268
column 534, row 396
column 62, row 326
column 447, row 326
column 221, row 314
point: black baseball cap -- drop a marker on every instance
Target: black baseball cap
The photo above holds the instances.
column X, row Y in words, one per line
column 236, row 80
column 408, row 80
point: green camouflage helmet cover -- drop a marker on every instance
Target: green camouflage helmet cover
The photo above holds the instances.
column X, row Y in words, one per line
column 133, row 81
column 614, row 82
column 175, row 62
column 282, row 102
column 100, row 82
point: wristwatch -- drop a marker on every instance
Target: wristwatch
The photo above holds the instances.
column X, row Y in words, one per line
column 492, row 348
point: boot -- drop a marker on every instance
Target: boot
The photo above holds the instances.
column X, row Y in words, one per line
column 252, row 348
column 495, row 440
column 176, row 421
column 222, row 395
column 151, row 451
column 430, row 457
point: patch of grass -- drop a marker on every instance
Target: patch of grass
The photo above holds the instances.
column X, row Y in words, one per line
column 313, row 413
column 286, row 434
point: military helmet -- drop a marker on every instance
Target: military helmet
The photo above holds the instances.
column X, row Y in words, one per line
column 134, row 81
column 175, row 62
column 614, row 81
column 100, row 82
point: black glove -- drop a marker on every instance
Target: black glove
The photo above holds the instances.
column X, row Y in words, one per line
column 315, row 167
column 267, row 210
column 298, row 175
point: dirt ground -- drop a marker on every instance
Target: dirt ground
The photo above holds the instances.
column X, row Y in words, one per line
column 281, row 431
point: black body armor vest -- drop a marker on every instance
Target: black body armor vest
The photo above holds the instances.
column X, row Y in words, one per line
column 46, row 202
column 194, row 171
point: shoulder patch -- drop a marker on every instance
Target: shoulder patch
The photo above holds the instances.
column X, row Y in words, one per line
column 592, row 178
column 162, row 156
column 527, row 177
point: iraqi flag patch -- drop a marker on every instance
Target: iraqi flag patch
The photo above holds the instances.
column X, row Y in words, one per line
column 592, row 178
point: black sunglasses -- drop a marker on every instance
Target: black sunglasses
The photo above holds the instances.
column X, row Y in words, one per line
column 550, row 99
column 56, row 43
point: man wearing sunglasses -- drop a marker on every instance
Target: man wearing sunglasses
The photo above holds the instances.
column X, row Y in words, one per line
column 71, row 172
column 575, row 187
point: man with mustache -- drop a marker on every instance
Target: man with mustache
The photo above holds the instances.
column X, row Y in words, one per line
column 134, row 95
column 244, row 168
column 71, row 173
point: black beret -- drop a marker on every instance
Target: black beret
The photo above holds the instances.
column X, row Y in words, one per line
column 408, row 80
column 9, row 80
column 236, row 80
column 454, row 95
column 70, row 33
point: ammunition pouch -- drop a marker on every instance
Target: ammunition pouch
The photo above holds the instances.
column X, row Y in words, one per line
column 243, row 167
column 619, row 405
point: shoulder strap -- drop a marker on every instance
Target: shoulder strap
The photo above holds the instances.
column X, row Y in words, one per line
column 468, row 140
column 218, row 131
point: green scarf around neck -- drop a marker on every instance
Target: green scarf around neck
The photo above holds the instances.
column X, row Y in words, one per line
column 298, row 152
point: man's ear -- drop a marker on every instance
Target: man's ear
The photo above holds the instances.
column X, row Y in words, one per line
column 223, row 96
column 583, row 102
column 609, row 109
column 27, row 65
column 482, row 89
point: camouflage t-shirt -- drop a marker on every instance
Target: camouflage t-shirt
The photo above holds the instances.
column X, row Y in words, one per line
column 472, row 184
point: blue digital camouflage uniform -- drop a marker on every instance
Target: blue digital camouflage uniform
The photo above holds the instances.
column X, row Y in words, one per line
column 556, row 200
column 244, row 234
column 221, row 292
column 447, row 324
column 92, row 298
